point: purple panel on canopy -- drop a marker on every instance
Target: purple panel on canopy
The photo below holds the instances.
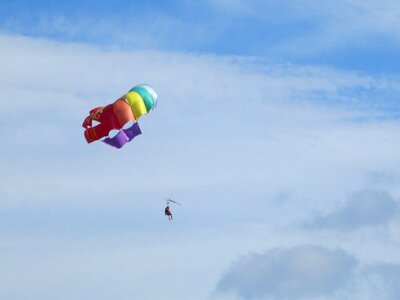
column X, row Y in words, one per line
column 132, row 131
column 124, row 136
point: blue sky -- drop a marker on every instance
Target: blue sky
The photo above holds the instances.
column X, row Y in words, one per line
column 277, row 128
column 356, row 35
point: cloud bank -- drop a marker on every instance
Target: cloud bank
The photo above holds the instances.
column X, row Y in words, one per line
column 228, row 133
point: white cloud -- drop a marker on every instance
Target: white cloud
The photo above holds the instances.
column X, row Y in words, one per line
column 309, row 272
column 303, row 271
column 365, row 208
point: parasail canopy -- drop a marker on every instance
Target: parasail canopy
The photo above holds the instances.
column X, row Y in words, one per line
column 140, row 100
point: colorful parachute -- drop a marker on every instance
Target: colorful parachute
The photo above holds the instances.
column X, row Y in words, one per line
column 141, row 99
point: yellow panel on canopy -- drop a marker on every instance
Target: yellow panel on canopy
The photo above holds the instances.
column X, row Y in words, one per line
column 135, row 101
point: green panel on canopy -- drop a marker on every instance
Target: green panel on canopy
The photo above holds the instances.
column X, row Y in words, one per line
column 146, row 96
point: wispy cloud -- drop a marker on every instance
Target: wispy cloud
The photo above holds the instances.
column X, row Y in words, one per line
column 378, row 281
column 278, row 30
